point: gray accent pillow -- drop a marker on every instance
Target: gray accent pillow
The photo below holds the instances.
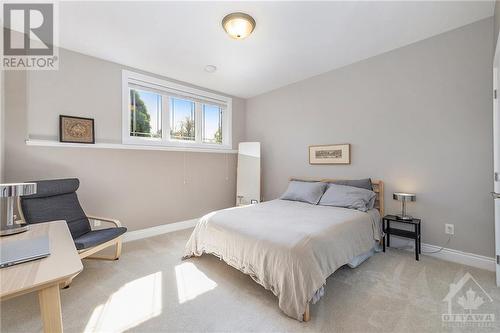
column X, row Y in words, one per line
column 361, row 183
column 348, row 197
column 371, row 204
column 309, row 192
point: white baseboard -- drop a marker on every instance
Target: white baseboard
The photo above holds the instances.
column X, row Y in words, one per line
column 158, row 230
column 459, row 257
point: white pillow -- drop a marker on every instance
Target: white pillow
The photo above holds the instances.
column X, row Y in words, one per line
column 309, row 192
column 348, row 197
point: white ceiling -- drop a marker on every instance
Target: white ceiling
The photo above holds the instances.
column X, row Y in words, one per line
column 292, row 40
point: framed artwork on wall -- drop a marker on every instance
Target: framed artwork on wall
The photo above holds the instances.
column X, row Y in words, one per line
column 76, row 129
column 330, row 154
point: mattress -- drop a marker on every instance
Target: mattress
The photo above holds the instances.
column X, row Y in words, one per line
column 288, row 247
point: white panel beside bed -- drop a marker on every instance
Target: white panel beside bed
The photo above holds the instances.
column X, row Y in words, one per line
column 248, row 178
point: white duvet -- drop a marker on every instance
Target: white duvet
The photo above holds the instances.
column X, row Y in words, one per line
column 288, row 247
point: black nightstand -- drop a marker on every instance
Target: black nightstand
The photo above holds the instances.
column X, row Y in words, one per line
column 415, row 234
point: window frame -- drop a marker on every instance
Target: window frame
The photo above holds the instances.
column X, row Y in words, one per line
column 168, row 89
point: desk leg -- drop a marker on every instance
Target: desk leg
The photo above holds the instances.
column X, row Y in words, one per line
column 50, row 307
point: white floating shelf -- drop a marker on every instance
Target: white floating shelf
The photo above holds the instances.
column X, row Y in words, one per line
column 52, row 143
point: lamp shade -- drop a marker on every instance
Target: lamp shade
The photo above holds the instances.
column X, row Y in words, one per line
column 9, row 192
column 400, row 196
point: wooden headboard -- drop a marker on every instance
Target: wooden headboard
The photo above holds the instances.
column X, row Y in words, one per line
column 378, row 188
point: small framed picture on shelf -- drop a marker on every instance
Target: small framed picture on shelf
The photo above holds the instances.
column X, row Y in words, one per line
column 76, row 129
column 330, row 154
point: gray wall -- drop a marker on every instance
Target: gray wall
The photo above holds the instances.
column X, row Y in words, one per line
column 141, row 188
column 419, row 118
column 91, row 87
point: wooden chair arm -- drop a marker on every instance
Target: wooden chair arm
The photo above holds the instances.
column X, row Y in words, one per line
column 105, row 219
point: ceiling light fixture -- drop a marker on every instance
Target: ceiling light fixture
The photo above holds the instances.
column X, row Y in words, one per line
column 210, row 68
column 238, row 25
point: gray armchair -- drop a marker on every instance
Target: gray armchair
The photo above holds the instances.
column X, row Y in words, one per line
column 57, row 200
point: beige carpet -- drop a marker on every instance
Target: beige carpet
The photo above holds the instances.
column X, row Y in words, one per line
column 151, row 290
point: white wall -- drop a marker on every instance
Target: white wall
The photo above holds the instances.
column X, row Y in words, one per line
column 89, row 87
column 141, row 188
column 419, row 118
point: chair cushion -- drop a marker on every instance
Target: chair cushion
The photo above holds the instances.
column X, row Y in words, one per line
column 58, row 207
column 96, row 237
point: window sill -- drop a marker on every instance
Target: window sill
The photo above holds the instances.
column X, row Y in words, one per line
column 52, row 143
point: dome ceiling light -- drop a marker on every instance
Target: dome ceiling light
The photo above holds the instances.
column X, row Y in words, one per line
column 238, row 25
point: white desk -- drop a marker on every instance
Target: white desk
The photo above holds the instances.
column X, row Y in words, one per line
column 45, row 275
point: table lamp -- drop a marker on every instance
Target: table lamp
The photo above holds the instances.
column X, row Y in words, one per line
column 11, row 192
column 404, row 197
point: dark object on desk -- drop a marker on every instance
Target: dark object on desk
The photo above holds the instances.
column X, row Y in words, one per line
column 390, row 230
column 57, row 200
column 23, row 250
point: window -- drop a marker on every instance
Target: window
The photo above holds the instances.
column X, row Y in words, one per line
column 159, row 112
column 145, row 114
column 212, row 124
column 182, row 119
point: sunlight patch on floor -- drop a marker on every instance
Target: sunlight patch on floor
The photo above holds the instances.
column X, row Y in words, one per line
column 134, row 303
column 191, row 282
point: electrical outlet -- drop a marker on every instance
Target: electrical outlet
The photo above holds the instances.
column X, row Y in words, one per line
column 449, row 229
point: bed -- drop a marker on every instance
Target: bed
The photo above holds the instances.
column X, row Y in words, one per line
column 290, row 247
